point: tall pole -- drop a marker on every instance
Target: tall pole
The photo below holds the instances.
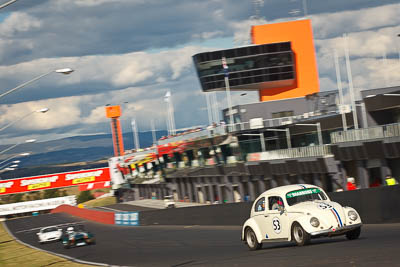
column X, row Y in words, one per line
column 135, row 134
column 153, row 132
column 172, row 116
column 228, row 91
column 62, row 71
column 350, row 78
column 339, row 85
column 169, row 123
column 7, row 4
column 305, row 8
column 289, row 142
column 208, row 109
column 262, row 140
column 320, row 142
column 385, row 66
column 214, row 104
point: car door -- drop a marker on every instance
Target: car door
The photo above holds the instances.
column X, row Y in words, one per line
column 259, row 216
column 276, row 218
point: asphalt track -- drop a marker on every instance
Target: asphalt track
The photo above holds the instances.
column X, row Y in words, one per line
column 212, row 245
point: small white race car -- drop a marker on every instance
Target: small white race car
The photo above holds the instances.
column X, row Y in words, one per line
column 48, row 234
column 298, row 213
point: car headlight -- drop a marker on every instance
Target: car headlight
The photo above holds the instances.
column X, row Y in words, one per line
column 314, row 222
column 352, row 215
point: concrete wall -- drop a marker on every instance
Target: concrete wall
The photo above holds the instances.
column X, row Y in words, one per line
column 375, row 205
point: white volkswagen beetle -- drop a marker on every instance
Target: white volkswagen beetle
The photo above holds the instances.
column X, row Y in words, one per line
column 298, row 213
column 48, row 234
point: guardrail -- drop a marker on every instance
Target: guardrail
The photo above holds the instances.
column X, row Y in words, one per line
column 298, row 152
column 205, row 133
column 377, row 132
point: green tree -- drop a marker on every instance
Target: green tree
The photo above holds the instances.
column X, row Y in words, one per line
column 16, row 198
column 51, row 193
column 84, row 196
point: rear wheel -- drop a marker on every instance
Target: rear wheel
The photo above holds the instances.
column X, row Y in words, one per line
column 353, row 234
column 299, row 235
column 251, row 240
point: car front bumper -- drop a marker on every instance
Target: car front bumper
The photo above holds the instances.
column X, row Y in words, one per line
column 335, row 231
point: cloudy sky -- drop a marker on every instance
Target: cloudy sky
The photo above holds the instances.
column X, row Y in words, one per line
column 131, row 52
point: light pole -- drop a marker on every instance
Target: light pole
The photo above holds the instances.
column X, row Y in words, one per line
column 13, row 146
column 318, row 125
column 43, row 110
column 15, row 156
column 350, row 78
column 62, row 71
column 7, row 4
column 261, row 135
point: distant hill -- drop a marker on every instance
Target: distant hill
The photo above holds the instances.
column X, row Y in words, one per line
column 54, row 156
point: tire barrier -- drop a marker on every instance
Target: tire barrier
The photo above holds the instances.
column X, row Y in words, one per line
column 92, row 215
column 127, row 218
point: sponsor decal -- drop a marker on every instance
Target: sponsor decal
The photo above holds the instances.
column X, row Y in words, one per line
column 39, row 185
column 325, row 206
column 4, row 186
column 84, row 180
column 72, row 176
column 58, row 180
column 276, row 225
column 302, row 192
column 27, row 182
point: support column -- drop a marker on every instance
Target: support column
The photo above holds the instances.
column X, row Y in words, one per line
column 261, row 184
column 317, row 180
column 211, row 192
column 363, row 179
column 190, row 189
column 385, row 170
column 252, row 192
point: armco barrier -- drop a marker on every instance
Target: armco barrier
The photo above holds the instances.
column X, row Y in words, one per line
column 92, row 215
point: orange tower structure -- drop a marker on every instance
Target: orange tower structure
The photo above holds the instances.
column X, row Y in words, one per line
column 299, row 33
column 114, row 112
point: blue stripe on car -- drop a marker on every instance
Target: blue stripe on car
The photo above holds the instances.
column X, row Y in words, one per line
column 340, row 220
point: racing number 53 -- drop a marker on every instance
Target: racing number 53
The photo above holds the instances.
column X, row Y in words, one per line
column 276, row 225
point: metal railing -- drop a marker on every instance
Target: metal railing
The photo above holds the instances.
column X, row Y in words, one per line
column 377, row 132
column 276, row 122
column 204, row 133
column 298, row 152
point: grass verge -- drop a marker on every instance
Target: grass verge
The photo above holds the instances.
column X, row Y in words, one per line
column 100, row 202
column 13, row 253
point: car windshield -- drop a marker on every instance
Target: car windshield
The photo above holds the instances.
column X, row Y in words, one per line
column 47, row 230
column 298, row 196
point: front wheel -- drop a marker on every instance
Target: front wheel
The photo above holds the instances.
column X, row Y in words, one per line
column 353, row 234
column 251, row 240
column 299, row 235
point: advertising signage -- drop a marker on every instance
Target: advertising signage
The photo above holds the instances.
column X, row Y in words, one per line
column 51, row 181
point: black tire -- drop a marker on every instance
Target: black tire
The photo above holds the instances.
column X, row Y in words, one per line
column 251, row 239
column 299, row 235
column 353, row 234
